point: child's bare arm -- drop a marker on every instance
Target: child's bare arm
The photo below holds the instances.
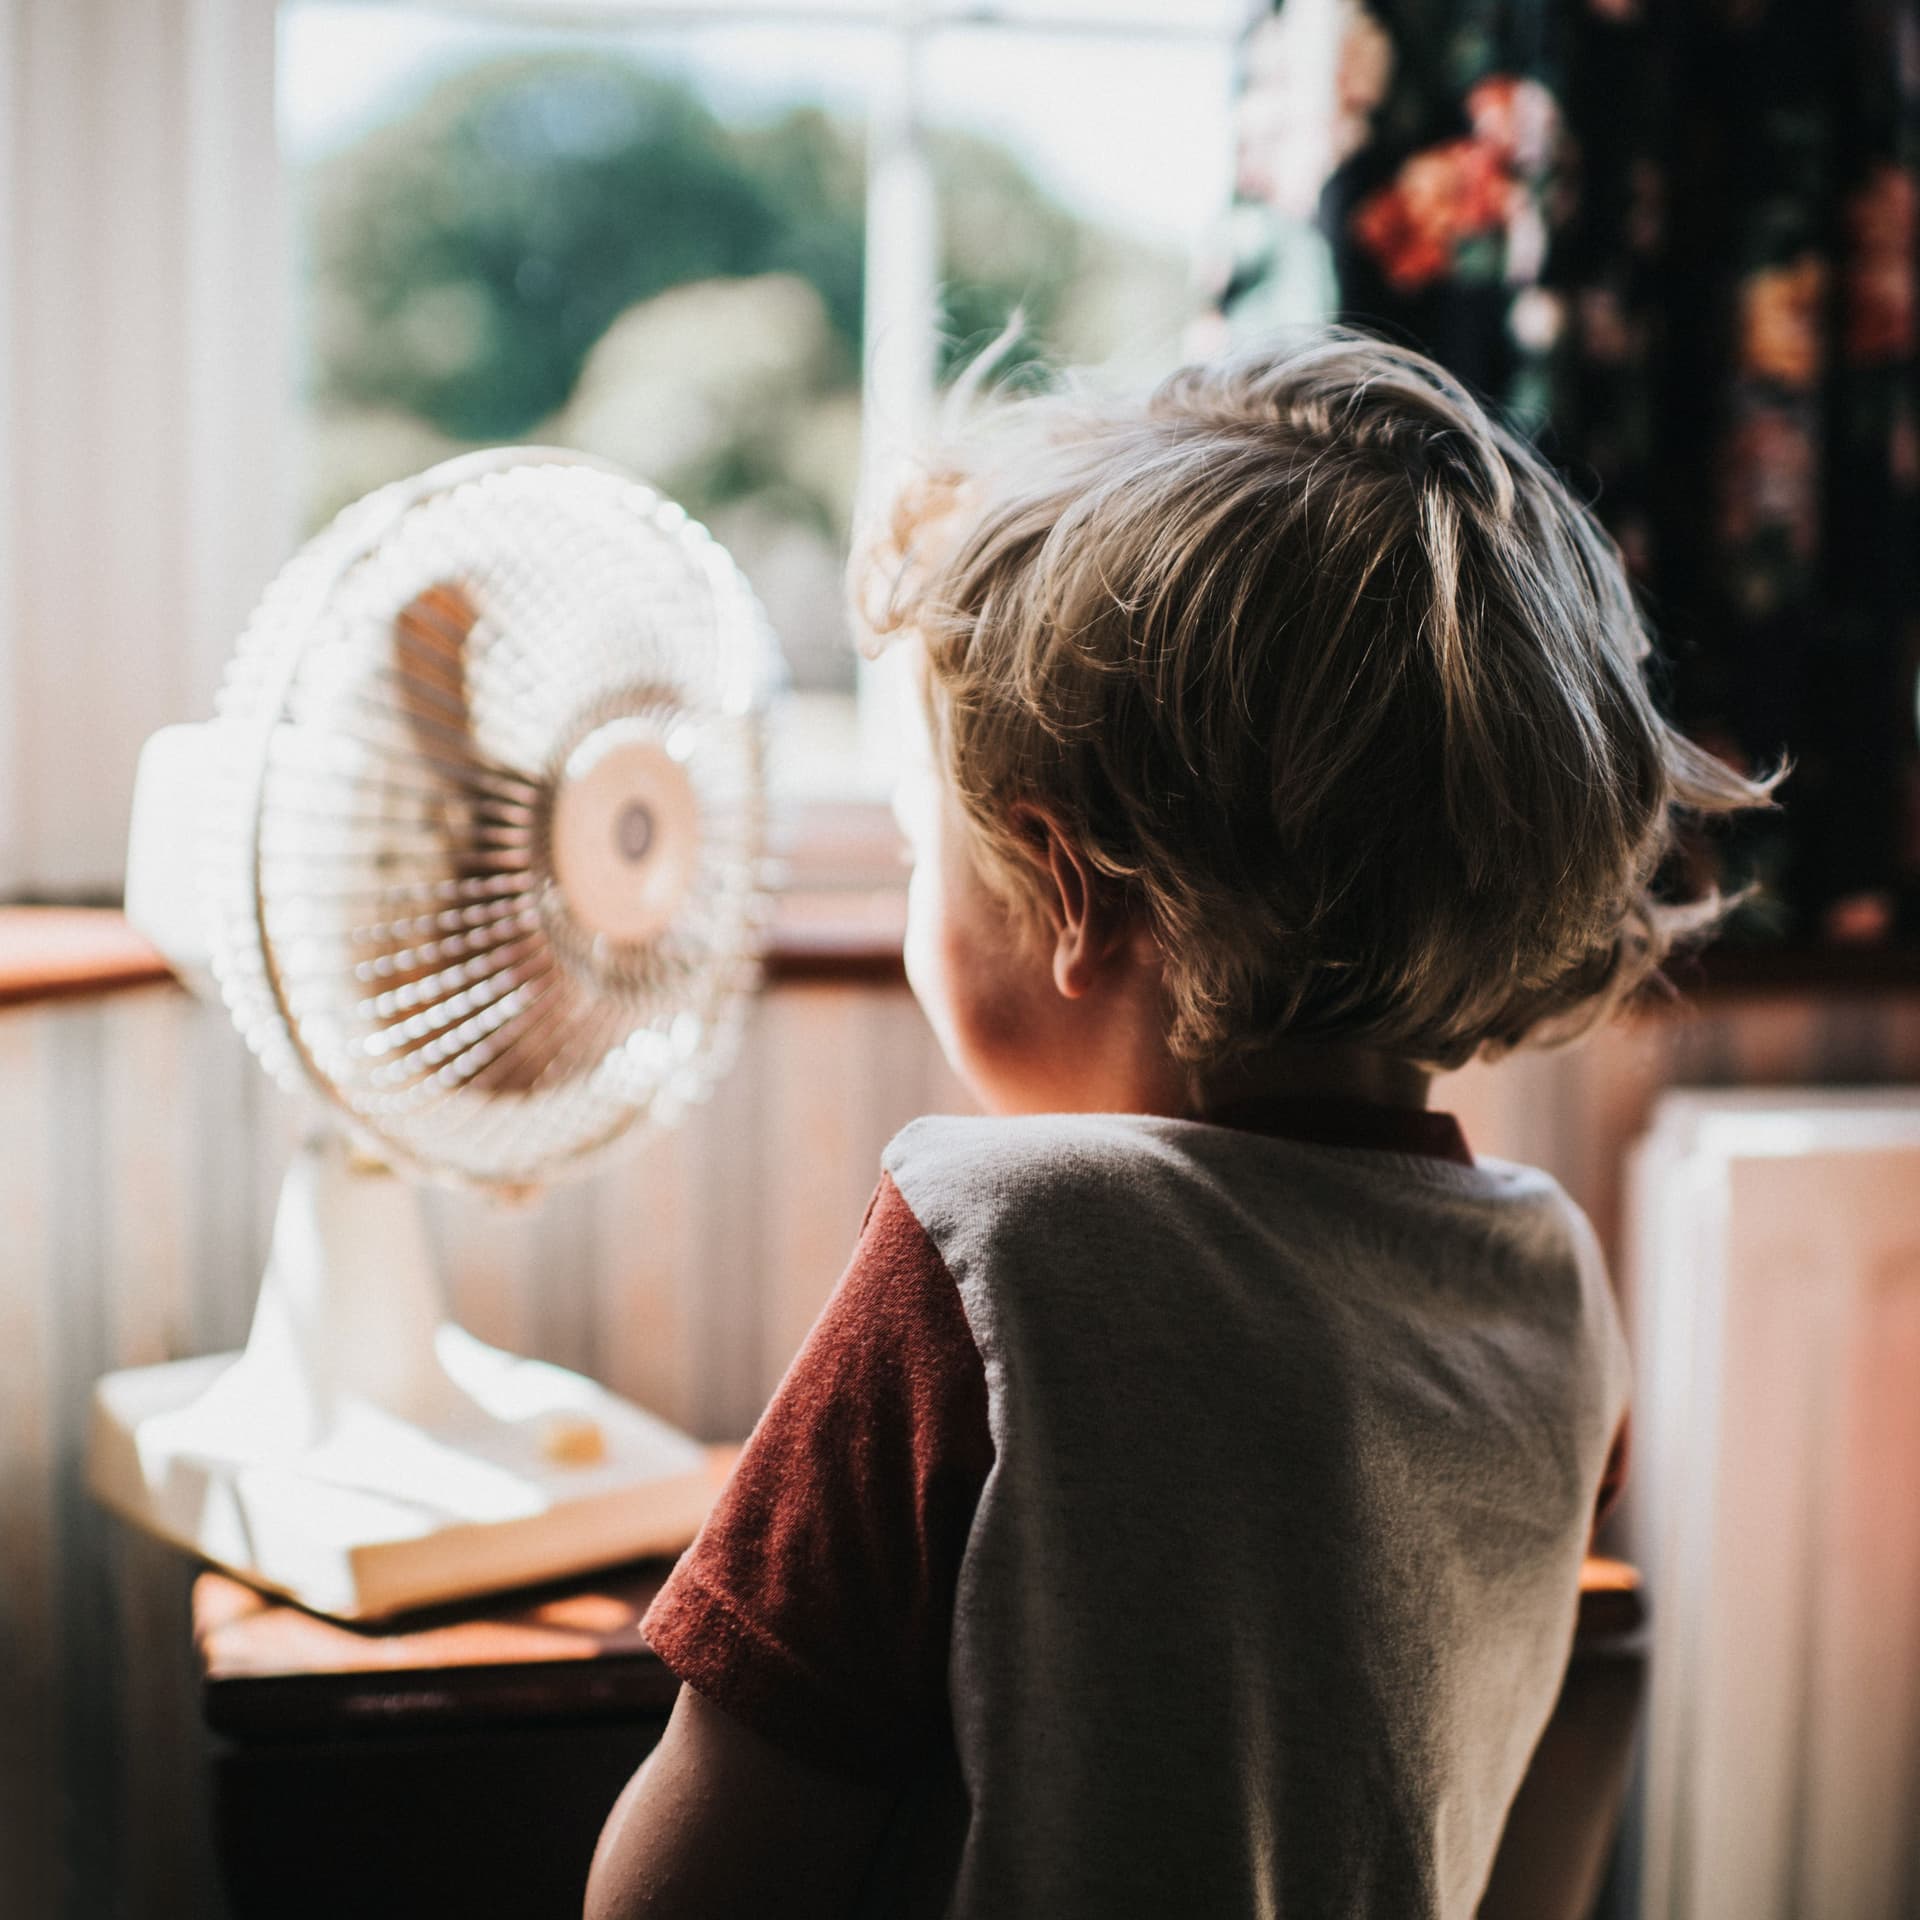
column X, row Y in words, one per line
column 721, row 1821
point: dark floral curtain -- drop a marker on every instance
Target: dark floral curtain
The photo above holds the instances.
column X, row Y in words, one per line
column 1675, row 240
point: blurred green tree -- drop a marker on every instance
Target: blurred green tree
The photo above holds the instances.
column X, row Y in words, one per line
column 466, row 257
column 574, row 248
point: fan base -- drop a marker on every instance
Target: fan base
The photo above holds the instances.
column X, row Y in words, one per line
column 388, row 1514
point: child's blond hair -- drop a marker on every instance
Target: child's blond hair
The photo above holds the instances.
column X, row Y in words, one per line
column 1329, row 674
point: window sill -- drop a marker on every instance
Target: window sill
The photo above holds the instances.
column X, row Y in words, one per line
column 839, row 919
column 74, row 953
column 69, row 953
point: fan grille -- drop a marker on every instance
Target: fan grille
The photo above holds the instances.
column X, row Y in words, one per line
column 409, row 711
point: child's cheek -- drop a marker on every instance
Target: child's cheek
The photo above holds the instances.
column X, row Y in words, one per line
column 998, row 1044
column 957, row 951
column 924, row 954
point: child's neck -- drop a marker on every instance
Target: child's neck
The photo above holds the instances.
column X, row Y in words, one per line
column 1105, row 1051
column 1296, row 1070
column 1124, row 1067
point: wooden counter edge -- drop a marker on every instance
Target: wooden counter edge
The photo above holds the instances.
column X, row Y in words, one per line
column 852, row 938
column 50, row 954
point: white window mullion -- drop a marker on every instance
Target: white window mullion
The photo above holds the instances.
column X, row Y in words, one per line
column 902, row 331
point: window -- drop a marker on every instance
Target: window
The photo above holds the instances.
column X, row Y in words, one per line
column 734, row 247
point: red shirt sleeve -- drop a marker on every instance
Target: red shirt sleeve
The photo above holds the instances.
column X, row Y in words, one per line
column 817, row 1603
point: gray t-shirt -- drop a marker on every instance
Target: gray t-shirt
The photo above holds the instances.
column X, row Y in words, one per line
column 1272, row 1583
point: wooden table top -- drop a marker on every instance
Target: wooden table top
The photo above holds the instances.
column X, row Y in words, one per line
column 571, row 1651
column 567, row 1650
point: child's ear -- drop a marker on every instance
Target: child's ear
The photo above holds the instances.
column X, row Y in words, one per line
column 1076, row 904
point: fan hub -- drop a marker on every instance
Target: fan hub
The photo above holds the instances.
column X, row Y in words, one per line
column 626, row 831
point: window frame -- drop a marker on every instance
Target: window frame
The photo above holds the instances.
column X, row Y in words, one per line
column 142, row 174
column 900, row 331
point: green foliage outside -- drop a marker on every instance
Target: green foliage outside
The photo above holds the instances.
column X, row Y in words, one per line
column 472, row 253
column 575, row 249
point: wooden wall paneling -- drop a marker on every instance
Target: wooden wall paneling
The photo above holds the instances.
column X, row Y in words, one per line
column 238, row 513
column 1576, row 1110
column 910, row 1075
column 940, row 1090
column 848, row 1069
column 146, row 1192
column 87, row 1650
column 839, row 1070
column 519, row 1274
column 821, row 1122
column 167, row 1863
column 489, row 1266
column 1699, row 1050
column 647, row 1270
column 230, row 1116
column 32, row 1703
column 1621, row 1075
column 729, row 1164
column 561, row 1277
column 147, row 1195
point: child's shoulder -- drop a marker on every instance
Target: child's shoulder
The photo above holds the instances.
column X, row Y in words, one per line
column 978, row 1182
column 1034, row 1156
column 1009, row 1164
column 975, row 1178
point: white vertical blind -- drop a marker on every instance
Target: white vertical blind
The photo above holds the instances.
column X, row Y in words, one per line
column 142, row 399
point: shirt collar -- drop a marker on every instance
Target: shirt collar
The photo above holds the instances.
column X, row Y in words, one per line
column 1367, row 1124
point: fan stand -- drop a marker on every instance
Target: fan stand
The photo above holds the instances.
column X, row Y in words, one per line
column 363, row 1455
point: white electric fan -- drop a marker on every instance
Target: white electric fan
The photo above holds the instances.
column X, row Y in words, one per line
column 473, row 851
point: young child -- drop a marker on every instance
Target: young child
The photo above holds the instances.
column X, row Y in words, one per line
column 1178, row 1508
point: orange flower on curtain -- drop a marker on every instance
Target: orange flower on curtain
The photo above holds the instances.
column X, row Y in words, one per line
column 1678, row 244
column 1484, row 187
column 1880, row 270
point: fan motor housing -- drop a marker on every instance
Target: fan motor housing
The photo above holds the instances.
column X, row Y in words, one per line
column 625, row 830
